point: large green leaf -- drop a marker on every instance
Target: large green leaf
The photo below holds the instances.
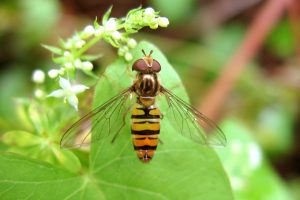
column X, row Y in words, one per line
column 180, row 169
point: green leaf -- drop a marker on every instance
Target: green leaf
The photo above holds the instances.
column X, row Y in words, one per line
column 180, row 169
column 282, row 40
column 53, row 49
column 20, row 139
column 106, row 15
column 22, row 178
column 34, row 146
column 96, row 25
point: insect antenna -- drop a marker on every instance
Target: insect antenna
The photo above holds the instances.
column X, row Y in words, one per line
column 146, row 54
column 150, row 53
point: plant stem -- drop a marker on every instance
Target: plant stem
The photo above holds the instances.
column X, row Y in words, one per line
column 87, row 46
column 294, row 18
column 267, row 17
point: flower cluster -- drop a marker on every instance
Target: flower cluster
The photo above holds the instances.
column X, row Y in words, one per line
column 70, row 55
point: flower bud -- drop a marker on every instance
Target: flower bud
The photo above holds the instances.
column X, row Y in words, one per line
column 67, row 53
column 38, row 93
column 121, row 52
column 149, row 12
column 128, row 56
column 68, row 65
column 68, row 44
column 79, row 44
column 38, row 76
column 77, row 63
column 163, row 21
column 53, row 73
column 116, row 35
column 99, row 31
column 88, row 31
column 131, row 43
column 111, row 25
column 88, row 66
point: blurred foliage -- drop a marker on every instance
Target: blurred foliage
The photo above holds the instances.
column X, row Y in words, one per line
column 265, row 100
column 281, row 41
column 245, row 164
column 176, row 10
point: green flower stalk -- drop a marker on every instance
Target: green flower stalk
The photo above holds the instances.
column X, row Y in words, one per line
column 70, row 55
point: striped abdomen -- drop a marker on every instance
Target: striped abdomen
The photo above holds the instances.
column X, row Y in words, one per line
column 145, row 127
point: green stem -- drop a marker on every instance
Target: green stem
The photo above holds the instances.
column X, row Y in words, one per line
column 87, row 46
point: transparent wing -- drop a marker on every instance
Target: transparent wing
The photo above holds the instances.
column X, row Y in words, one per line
column 106, row 120
column 191, row 123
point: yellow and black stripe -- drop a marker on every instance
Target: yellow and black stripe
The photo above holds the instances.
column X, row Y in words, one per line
column 145, row 127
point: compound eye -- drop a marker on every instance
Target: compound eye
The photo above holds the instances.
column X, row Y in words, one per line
column 139, row 65
column 155, row 66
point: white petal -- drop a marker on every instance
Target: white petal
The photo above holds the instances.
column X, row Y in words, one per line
column 78, row 88
column 73, row 101
column 57, row 93
column 149, row 11
column 64, row 83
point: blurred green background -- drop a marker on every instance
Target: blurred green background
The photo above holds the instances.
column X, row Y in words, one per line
column 260, row 115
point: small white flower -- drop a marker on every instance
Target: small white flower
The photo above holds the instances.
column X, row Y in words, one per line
column 53, row 73
column 67, row 53
column 163, row 21
column 79, row 44
column 149, row 11
column 38, row 76
column 76, row 38
column 69, row 44
column 68, row 65
column 68, row 92
column 78, row 63
column 88, row 66
column 99, row 31
column 88, row 31
column 128, row 56
column 38, row 93
column 116, row 35
column 131, row 43
column 111, row 25
column 121, row 52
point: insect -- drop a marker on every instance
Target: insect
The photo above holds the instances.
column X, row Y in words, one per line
column 110, row 118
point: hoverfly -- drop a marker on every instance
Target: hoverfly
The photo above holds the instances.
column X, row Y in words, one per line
column 109, row 118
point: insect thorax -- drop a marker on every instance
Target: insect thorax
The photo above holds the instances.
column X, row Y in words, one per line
column 146, row 88
column 146, row 85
